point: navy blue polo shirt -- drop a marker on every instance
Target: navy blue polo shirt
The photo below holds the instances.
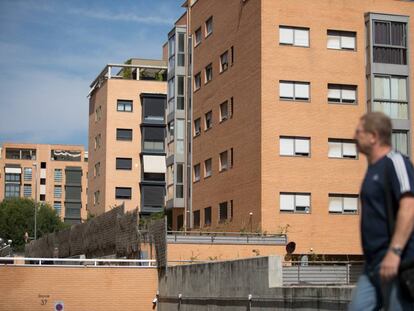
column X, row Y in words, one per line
column 374, row 223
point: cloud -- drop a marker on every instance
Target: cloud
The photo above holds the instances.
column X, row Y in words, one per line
column 122, row 16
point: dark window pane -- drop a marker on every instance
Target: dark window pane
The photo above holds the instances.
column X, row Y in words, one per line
column 153, row 196
column 123, row 163
column 123, row 193
column 123, row 134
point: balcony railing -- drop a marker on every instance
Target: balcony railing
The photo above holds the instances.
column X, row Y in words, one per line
column 129, row 72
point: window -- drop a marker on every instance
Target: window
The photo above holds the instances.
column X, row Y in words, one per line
column 400, row 141
column 294, row 36
column 207, row 216
column 208, row 120
column 197, row 127
column 223, row 212
column 58, row 175
column 98, row 141
column 291, row 90
column 27, row 190
column 196, row 172
column 57, row 205
column 171, row 52
column 171, row 131
column 343, row 204
column 27, row 173
column 97, row 169
column 124, row 134
column 342, row 148
column 181, row 52
column 43, row 197
column 224, row 111
column 98, row 114
column 57, row 192
column 224, row 63
column 232, row 55
column 231, row 164
column 207, row 168
column 180, row 134
column 96, row 196
column 43, row 181
column 341, row 40
column 390, row 96
column 231, row 107
column 153, row 139
column 196, row 219
column 295, row 146
column 340, row 93
column 224, row 161
column 123, row 163
column 179, row 189
column 295, row 202
column 197, row 36
column 152, row 198
column 209, row 26
column 153, row 108
column 180, row 93
column 22, row 154
column 390, row 42
column 123, row 193
column 12, row 177
column 208, row 73
column 197, row 81
column 12, row 190
column 124, row 105
column 42, row 164
column 231, row 210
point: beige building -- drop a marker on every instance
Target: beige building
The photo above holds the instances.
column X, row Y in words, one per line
column 275, row 91
column 126, row 137
column 56, row 174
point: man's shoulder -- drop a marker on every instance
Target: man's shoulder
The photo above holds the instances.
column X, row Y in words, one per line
column 398, row 159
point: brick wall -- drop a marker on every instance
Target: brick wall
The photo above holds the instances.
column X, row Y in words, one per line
column 39, row 288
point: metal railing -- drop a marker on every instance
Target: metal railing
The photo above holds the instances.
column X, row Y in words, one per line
column 195, row 237
column 321, row 272
column 78, row 262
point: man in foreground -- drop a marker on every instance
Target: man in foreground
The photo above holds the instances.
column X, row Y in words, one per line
column 383, row 250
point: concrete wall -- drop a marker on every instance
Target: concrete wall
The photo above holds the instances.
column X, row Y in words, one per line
column 39, row 288
column 227, row 286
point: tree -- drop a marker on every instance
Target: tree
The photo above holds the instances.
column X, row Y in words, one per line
column 17, row 218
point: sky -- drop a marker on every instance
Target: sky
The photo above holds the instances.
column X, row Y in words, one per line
column 51, row 50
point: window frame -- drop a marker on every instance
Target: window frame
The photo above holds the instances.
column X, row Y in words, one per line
column 197, row 81
column 295, row 153
column 343, row 196
column 294, row 98
column 224, row 117
column 206, row 127
column 343, row 141
column 224, row 205
column 196, row 177
column 207, row 33
column 119, row 167
column 208, row 69
column 117, row 197
column 340, row 34
column 196, row 41
column 294, row 29
column 197, row 133
column 120, row 138
column 224, row 65
column 295, row 210
column 341, row 88
column 208, row 173
column 222, row 167
column 129, row 101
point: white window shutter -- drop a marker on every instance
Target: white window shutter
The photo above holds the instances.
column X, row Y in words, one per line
column 334, row 42
column 348, row 43
column 334, row 150
column 349, row 94
column 286, row 89
column 335, row 204
column 287, row 202
column 286, row 146
column 349, row 149
column 350, row 204
column 286, row 35
column 301, row 90
column 301, row 145
column 301, row 37
column 334, row 93
column 303, row 200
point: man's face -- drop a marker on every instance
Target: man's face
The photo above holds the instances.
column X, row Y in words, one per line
column 365, row 140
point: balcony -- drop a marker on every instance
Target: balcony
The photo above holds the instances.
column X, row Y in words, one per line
column 134, row 69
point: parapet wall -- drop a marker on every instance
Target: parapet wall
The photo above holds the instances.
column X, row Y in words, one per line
column 246, row 284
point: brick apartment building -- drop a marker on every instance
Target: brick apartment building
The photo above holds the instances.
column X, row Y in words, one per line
column 56, row 174
column 268, row 94
column 126, row 137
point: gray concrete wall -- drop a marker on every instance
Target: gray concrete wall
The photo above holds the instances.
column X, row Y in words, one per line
column 227, row 286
